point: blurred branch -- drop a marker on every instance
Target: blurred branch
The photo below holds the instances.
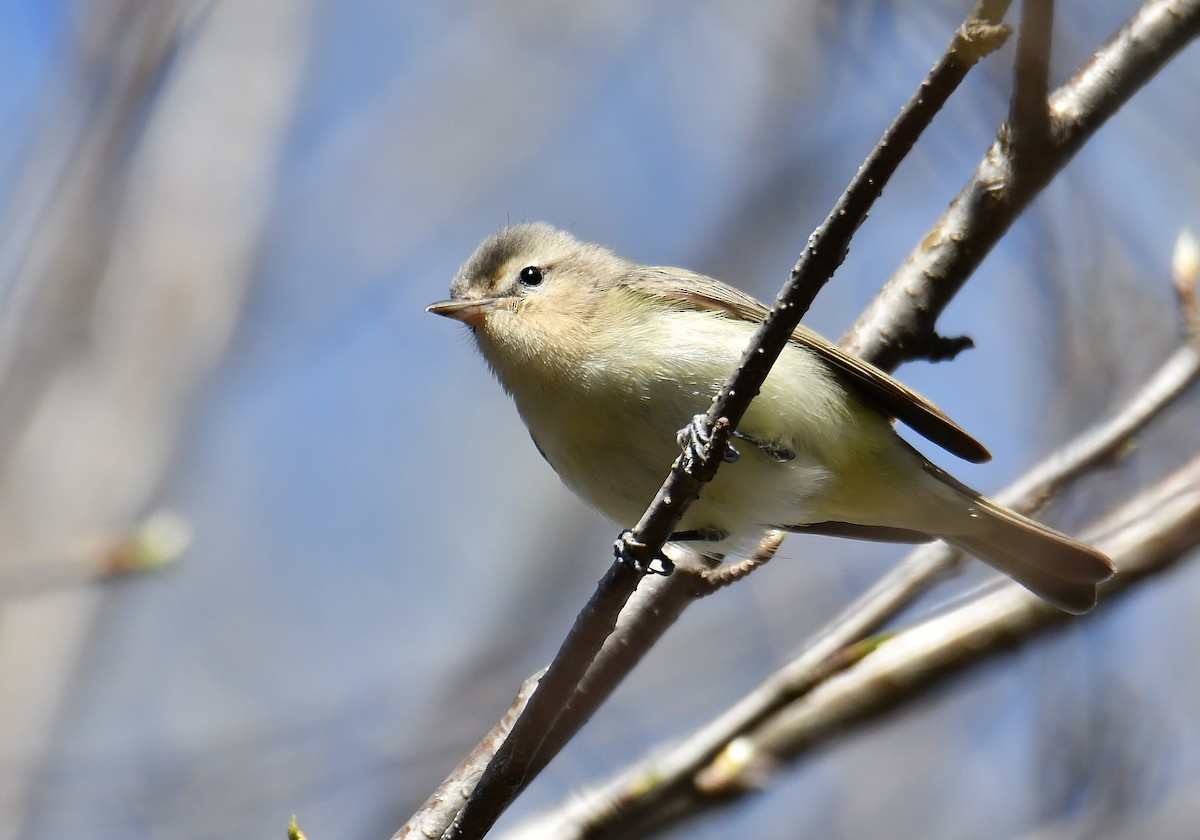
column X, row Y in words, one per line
column 1185, row 277
column 130, row 231
column 1029, row 113
column 157, row 541
column 525, row 749
column 896, row 325
column 68, row 175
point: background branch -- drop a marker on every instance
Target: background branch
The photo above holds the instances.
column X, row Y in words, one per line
column 1149, row 534
column 1029, row 113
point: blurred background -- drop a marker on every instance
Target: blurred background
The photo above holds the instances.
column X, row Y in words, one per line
column 219, row 225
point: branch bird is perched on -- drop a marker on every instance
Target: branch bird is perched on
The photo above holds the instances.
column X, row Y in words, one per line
column 606, row 359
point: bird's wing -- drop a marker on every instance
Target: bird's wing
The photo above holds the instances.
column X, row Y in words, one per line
column 873, row 386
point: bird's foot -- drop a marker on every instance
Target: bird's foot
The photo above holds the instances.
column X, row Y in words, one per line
column 696, row 441
column 624, row 549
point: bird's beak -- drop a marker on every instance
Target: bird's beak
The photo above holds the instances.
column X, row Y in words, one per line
column 470, row 312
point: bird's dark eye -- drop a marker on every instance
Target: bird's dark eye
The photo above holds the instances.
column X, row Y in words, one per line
column 531, row 275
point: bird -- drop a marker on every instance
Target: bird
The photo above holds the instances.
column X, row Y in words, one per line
column 607, row 359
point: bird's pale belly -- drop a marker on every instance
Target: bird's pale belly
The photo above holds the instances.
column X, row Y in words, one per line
column 618, row 466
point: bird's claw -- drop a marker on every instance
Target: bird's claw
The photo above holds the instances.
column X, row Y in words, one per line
column 623, row 550
column 696, row 440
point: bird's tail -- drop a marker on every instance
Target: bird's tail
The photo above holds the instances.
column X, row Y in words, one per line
column 1062, row 570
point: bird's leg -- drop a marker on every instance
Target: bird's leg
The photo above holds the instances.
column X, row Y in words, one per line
column 777, row 453
column 698, row 535
column 695, row 439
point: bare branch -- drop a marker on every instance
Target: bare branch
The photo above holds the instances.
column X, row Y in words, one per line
column 1145, row 536
column 896, row 325
column 444, row 804
column 652, row 610
column 1029, row 113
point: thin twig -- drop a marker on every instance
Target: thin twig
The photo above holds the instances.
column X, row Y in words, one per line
column 440, row 808
column 1029, row 111
column 731, row 573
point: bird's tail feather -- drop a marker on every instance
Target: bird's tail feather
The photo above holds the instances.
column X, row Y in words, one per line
column 1062, row 570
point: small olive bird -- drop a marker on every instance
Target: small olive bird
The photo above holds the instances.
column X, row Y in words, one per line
column 606, row 359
